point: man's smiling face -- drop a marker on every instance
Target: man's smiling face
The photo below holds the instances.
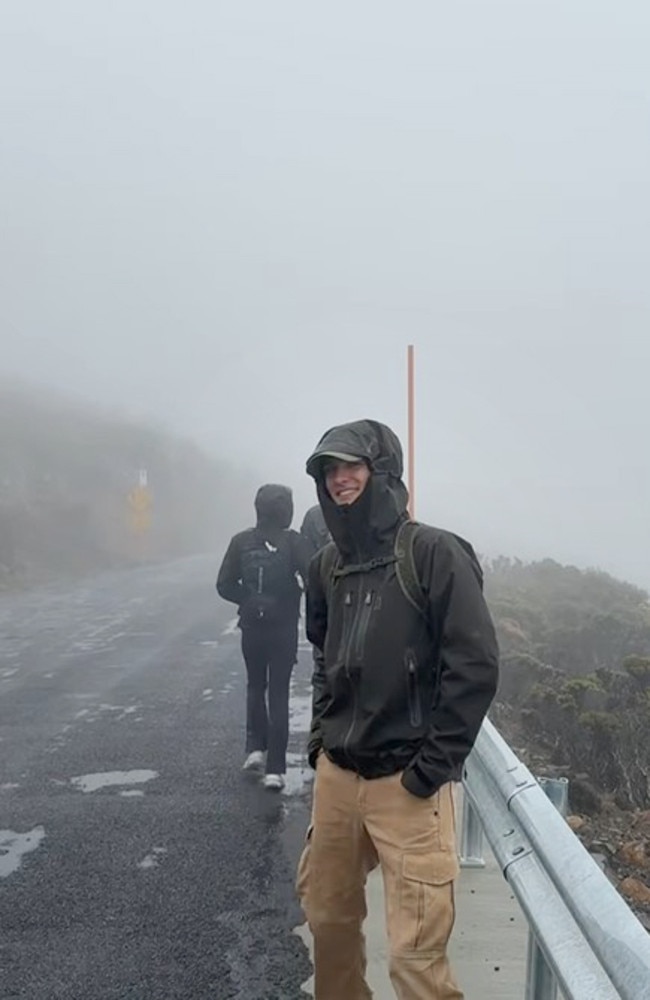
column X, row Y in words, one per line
column 346, row 481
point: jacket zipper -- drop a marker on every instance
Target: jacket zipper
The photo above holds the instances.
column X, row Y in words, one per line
column 348, row 735
column 351, row 638
column 415, row 708
column 353, row 626
column 361, row 613
column 347, row 628
column 363, row 623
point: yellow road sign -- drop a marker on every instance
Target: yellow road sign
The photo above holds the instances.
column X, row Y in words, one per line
column 140, row 499
column 140, row 521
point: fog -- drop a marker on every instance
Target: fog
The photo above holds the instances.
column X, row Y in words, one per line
column 233, row 218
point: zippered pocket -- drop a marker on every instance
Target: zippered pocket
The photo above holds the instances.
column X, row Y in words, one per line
column 415, row 706
column 346, row 626
column 363, row 622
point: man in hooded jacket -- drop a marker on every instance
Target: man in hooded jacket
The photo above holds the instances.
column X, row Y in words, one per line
column 399, row 694
column 259, row 573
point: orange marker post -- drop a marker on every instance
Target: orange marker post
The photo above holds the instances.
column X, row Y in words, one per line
column 411, row 428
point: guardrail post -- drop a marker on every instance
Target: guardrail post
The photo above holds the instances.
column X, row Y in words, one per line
column 557, row 790
column 471, row 838
column 540, row 981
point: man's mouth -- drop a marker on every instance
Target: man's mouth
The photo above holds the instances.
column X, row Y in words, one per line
column 349, row 493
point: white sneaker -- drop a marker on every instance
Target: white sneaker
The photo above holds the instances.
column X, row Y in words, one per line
column 254, row 761
column 274, row 782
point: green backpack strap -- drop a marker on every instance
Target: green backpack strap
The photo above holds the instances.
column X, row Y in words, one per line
column 407, row 573
column 404, row 559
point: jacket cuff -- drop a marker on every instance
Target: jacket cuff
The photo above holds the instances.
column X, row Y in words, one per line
column 414, row 782
column 312, row 754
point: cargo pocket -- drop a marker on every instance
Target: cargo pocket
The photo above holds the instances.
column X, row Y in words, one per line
column 427, row 900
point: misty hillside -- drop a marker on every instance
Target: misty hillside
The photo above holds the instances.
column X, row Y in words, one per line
column 575, row 673
column 69, row 497
column 577, row 620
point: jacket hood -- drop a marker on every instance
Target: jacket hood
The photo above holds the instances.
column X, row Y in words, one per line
column 274, row 507
column 366, row 528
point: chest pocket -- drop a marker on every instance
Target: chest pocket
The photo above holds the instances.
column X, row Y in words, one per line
column 362, row 599
column 370, row 603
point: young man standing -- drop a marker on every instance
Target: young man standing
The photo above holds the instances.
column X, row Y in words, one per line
column 259, row 574
column 406, row 666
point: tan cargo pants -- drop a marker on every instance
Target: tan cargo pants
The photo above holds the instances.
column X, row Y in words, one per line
column 357, row 824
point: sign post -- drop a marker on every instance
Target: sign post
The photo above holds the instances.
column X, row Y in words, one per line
column 140, row 503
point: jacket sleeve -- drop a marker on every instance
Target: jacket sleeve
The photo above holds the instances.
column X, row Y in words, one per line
column 301, row 557
column 316, row 627
column 467, row 670
column 229, row 583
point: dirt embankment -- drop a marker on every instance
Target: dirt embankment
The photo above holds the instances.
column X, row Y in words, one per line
column 617, row 837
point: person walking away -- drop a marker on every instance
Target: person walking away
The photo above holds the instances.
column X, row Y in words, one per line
column 405, row 668
column 259, row 573
column 314, row 530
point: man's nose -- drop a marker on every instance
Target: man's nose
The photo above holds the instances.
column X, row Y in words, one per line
column 341, row 475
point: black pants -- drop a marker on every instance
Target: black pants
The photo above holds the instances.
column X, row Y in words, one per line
column 270, row 653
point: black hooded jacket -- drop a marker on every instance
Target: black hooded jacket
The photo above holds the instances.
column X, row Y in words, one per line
column 393, row 691
column 261, row 604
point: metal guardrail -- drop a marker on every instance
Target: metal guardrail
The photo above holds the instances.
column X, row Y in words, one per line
column 584, row 938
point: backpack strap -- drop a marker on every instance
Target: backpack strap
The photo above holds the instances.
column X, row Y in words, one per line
column 331, row 568
column 353, row 568
column 404, row 559
column 407, row 573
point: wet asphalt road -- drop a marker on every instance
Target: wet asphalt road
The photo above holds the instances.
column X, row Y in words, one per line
column 136, row 861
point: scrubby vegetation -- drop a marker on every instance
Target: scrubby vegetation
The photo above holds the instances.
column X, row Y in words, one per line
column 575, row 670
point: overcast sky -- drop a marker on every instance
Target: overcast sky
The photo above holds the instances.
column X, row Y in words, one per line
column 234, row 217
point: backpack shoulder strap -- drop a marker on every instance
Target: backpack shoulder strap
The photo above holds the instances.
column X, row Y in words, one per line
column 407, row 573
column 405, row 567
